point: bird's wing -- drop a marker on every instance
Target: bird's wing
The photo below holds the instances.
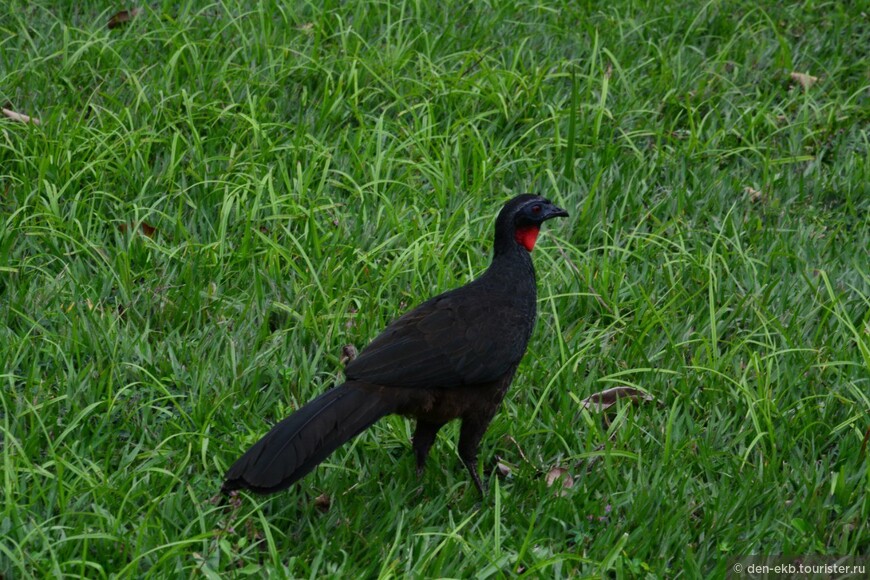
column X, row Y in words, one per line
column 455, row 339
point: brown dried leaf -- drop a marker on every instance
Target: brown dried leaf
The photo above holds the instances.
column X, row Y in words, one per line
column 755, row 196
column 145, row 228
column 558, row 473
column 503, row 469
column 20, row 117
column 123, row 17
column 605, row 399
column 322, row 502
column 803, row 79
column 348, row 353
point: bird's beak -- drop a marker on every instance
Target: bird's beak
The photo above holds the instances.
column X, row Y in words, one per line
column 552, row 211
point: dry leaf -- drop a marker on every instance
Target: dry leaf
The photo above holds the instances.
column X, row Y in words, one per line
column 605, row 399
column 20, row 117
column 145, row 228
column 322, row 502
column 123, row 17
column 348, row 353
column 560, row 473
column 754, row 195
column 804, row 80
column 503, row 469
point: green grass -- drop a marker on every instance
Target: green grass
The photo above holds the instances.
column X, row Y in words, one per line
column 313, row 169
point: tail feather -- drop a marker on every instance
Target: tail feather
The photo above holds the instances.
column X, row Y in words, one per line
column 300, row 442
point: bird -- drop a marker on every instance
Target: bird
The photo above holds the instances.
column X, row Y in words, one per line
column 452, row 357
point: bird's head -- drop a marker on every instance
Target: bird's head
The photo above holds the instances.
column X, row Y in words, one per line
column 519, row 221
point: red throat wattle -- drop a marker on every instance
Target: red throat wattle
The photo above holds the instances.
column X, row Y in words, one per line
column 526, row 236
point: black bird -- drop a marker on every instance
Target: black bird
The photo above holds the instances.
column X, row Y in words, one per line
column 452, row 357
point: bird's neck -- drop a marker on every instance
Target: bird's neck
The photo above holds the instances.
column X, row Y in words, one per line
column 511, row 264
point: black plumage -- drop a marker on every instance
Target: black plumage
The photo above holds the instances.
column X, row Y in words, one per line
column 453, row 356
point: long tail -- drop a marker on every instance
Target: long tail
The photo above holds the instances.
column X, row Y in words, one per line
column 301, row 441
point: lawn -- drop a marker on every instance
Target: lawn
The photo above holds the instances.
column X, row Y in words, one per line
column 219, row 196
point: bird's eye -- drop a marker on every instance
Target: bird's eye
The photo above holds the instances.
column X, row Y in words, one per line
column 536, row 209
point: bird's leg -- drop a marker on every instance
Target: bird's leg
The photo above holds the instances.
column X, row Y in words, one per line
column 424, row 437
column 471, row 464
column 470, row 435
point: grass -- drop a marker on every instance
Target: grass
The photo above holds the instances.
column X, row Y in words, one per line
column 221, row 195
